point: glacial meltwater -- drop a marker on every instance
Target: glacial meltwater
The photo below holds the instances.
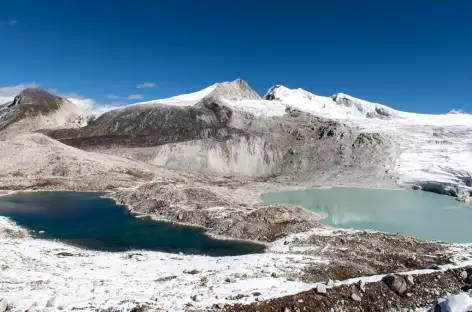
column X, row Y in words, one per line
column 420, row 214
column 87, row 220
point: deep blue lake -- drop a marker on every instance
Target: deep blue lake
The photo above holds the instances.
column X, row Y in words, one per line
column 89, row 221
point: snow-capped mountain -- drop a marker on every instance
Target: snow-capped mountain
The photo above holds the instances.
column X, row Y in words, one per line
column 436, row 149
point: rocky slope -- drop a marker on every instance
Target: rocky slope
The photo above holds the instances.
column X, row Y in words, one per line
column 31, row 160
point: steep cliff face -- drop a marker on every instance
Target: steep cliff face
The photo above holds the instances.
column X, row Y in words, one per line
column 34, row 109
column 236, row 154
column 312, row 147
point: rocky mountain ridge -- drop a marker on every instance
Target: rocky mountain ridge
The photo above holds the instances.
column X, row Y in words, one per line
column 214, row 137
column 35, row 108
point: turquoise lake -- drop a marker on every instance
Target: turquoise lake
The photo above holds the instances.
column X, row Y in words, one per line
column 87, row 220
column 424, row 215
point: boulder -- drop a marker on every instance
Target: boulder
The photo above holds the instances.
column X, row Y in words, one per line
column 356, row 297
column 410, row 280
column 3, row 305
column 464, row 276
column 196, row 298
column 320, row 289
column 51, row 302
column 396, row 283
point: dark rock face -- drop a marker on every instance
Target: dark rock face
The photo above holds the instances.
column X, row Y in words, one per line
column 439, row 188
column 29, row 103
column 150, row 125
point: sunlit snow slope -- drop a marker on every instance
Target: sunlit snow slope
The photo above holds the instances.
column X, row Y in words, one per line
column 184, row 99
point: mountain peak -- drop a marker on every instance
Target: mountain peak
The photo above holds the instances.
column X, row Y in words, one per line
column 457, row 112
column 235, row 90
column 276, row 92
column 37, row 97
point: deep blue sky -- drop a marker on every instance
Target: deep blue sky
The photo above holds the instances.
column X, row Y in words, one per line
column 413, row 55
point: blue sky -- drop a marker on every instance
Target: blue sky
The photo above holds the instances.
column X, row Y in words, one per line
column 411, row 55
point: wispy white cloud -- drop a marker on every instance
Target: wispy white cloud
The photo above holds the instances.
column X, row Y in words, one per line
column 112, row 96
column 12, row 22
column 89, row 106
column 135, row 97
column 8, row 93
column 147, row 85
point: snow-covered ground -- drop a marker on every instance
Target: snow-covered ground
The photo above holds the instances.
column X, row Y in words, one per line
column 55, row 276
column 36, row 271
column 457, row 303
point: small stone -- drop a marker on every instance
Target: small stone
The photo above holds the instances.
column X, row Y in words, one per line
column 286, row 310
column 320, row 289
column 3, row 305
column 464, row 276
column 228, row 280
column 286, row 242
column 410, row 280
column 362, row 286
column 32, row 308
column 274, row 275
column 192, row 272
column 256, row 294
column 50, row 302
column 409, row 295
column 300, row 300
column 196, row 298
column 356, row 298
column 436, row 292
column 437, row 308
column 180, row 216
column 330, row 283
column 220, row 305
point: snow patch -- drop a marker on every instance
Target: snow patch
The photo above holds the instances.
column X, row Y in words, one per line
column 184, row 99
